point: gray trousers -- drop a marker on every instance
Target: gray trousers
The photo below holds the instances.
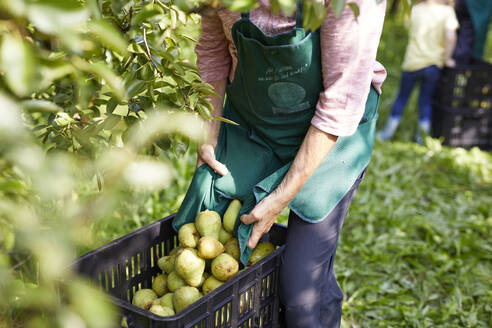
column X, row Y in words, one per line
column 309, row 292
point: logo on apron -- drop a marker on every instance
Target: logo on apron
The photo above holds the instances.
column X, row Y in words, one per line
column 287, row 97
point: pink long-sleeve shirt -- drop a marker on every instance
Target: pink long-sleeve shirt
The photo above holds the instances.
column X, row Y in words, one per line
column 348, row 57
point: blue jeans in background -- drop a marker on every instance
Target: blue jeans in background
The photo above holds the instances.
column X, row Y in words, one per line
column 428, row 77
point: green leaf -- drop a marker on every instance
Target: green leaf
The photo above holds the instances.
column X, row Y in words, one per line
column 36, row 105
column 111, row 105
column 16, row 8
column 338, row 6
column 94, row 9
column 10, row 114
column 240, row 5
column 135, row 48
column 287, row 6
column 184, row 5
column 101, row 70
column 306, row 14
column 319, row 10
column 135, row 87
column 204, row 111
column 63, row 119
column 174, row 18
column 8, row 238
column 355, row 9
column 189, row 38
column 19, row 64
column 162, row 123
column 57, row 16
column 275, row 6
column 50, row 71
column 145, row 13
column 108, row 35
column 225, row 120
column 148, row 174
column 111, row 121
column 93, row 306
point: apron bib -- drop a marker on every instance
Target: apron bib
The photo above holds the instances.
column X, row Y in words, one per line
column 273, row 97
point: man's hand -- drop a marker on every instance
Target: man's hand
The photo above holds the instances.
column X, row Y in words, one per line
column 450, row 62
column 263, row 216
column 315, row 146
column 206, row 154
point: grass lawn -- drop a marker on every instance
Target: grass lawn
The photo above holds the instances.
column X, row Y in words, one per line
column 415, row 250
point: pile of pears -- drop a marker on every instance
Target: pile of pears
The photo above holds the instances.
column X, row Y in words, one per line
column 207, row 257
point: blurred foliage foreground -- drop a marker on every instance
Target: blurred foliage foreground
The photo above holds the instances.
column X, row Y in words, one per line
column 100, row 102
column 91, row 93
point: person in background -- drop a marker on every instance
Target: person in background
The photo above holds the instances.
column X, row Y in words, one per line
column 465, row 34
column 432, row 39
column 480, row 12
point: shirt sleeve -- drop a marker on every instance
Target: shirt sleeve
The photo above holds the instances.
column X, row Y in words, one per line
column 348, row 55
column 452, row 21
column 213, row 57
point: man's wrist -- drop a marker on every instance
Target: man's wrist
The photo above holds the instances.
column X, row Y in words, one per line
column 281, row 197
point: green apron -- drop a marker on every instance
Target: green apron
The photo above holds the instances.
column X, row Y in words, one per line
column 273, row 97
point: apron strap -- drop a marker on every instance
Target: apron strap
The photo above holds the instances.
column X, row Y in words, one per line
column 299, row 20
column 299, row 14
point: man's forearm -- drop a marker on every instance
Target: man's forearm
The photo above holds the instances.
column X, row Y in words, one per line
column 213, row 126
column 316, row 145
column 450, row 44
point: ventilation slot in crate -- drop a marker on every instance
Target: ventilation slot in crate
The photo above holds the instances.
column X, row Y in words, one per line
column 266, row 315
column 223, row 315
column 246, row 301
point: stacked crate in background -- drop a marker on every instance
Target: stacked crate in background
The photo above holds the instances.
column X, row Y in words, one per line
column 462, row 109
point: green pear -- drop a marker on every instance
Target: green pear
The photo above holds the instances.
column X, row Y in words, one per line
column 232, row 248
column 261, row 250
column 165, row 301
column 190, row 267
column 163, row 311
column 166, row 263
column 224, row 236
column 174, row 281
column 175, row 250
column 209, row 248
column 231, row 214
column 224, row 267
column 188, row 235
column 210, row 284
column 185, row 296
column 208, row 224
column 205, row 275
column 159, row 285
column 143, row 298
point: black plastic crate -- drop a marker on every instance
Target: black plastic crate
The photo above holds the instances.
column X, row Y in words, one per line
column 463, row 127
column 250, row 299
column 468, row 86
